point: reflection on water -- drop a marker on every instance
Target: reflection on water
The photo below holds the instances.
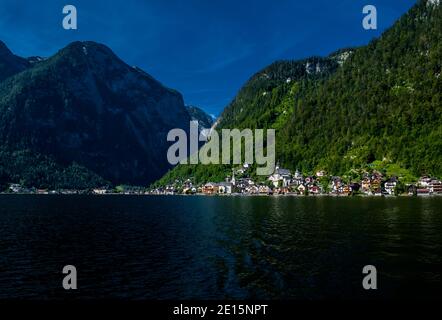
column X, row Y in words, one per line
column 219, row 247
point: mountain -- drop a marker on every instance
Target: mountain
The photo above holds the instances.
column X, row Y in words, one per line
column 276, row 85
column 383, row 106
column 265, row 101
column 377, row 106
column 85, row 107
column 10, row 64
column 197, row 114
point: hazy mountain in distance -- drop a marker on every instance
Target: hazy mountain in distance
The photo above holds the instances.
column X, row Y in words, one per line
column 197, row 114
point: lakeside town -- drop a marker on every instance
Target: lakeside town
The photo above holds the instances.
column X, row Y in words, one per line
column 284, row 182
column 281, row 182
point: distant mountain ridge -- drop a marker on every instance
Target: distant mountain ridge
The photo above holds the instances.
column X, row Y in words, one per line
column 87, row 107
column 197, row 114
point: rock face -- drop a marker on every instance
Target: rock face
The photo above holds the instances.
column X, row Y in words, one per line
column 10, row 64
column 87, row 106
column 197, row 114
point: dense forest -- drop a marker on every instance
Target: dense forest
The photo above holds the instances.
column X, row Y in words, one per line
column 377, row 106
column 31, row 169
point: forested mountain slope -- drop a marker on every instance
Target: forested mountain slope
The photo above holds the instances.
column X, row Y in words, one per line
column 377, row 105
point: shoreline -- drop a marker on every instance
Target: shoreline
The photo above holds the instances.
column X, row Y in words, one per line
column 226, row 195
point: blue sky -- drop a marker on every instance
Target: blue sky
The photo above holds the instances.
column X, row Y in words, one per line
column 206, row 49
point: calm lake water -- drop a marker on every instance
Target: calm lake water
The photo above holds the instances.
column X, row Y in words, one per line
column 146, row 247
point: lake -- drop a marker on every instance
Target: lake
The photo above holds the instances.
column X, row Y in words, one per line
column 177, row 247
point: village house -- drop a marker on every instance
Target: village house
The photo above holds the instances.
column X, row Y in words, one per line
column 210, row 188
column 424, row 182
column 301, row 189
column 243, row 184
column 69, row 191
column 435, row 186
column 281, row 177
column 376, row 187
column 157, row 191
column 189, row 190
column 346, row 190
column 390, row 185
column 170, row 190
column 313, row 189
column 100, row 191
column 264, row 189
column 16, row 188
column 336, row 185
column 225, row 188
column 280, row 190
column 366, row 185
column 296, row 181
column 253, row 189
